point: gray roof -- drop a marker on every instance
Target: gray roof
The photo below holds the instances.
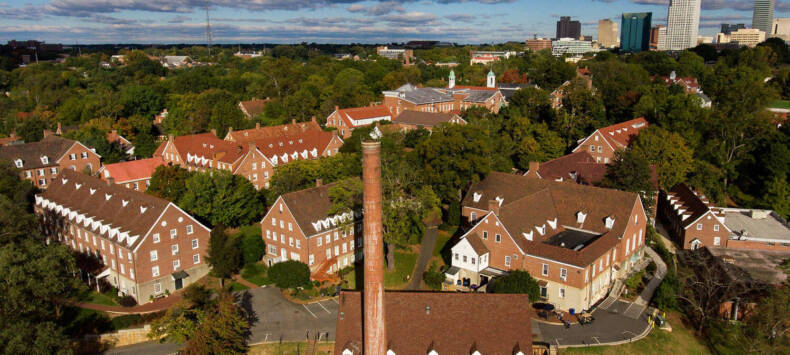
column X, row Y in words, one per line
column 479, row 95
column 760, row 265
column 757, row 225
column 422, row 96
column 53, row 147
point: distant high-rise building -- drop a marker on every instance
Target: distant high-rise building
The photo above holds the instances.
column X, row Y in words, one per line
column 763, row 16
column 728, row 28
column 635, row 33
column 682, row 24
column 538, row 44
column 781, row 29
column 568, row 29
column 607, row 33
column 654, row 34
column 661, row 43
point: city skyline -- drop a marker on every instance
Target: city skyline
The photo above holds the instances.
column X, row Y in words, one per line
column 325, row 21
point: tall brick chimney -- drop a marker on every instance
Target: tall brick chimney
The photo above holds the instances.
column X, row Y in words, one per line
column 375, row 334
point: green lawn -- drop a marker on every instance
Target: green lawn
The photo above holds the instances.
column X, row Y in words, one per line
column 98, row 298
column 255, row 273
column 680, row 340
column 780, row 104
column 235, row 287
column 404, row 265
column 441, row 240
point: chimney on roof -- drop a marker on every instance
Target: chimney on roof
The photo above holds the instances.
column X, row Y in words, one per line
column 252, row 145
column 230, row 130
column 493, row 206
column 293, row 121
column 534, row 167
column 257, row 125
column 59, row 131
column 214, row 132
column 170, row 137
column 312, row 119
column 319, row 182
column 337, row 107
column 110, row 181
column 374, row 333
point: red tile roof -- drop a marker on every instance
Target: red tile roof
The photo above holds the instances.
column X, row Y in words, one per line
column 689, row 203
column 579, row 167
column 363, row 113
column 53, row 147
column 306, row 145
column 560, row 201
column 425, row 119
column 259, row 132
column 418, row 322
column 131, row 170
column 253, row 107
column 620, row 135
column 206, row 145
column 113, row 137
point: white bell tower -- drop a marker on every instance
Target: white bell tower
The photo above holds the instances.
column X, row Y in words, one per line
column 451, row 82
column 491, row 79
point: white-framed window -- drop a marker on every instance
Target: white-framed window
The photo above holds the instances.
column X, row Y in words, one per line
column 699, row 226
column 328, row 253
column 272, row 249
column 254, row 166
column 507, row 260
column 351, row 244
column 562, row 292
column 123, row 271
column 176, row 264
column 101, row 241
column 716, row 241
column 112, row 250
column 42, row 182
column 155, row 271
column 290, row 226
column 254, row 177
column 282, row 224
column 298, row 244
column 337, row 236
column 156, row 238
column 268, row 234
column 196, row 259
column 53, row 171
column 28, row 174
column 72, row 156
column 563, row 274
column 195, row 243
column 337, row 250
column 345, row 248
column 190, row 229
column 328, row 239
column 600, row 149
column 84, row 155
column 173, row 233
column 498, row 238
column 131, row 273
column 136, row 186
column 310, row 259
column 545, row 270
column 627, row 246
column 157, row 287
column 319, row 241
column 290, row 241
column 282, row 238
column 274, row 220
column 472, row 216
column 120, row 254
column 154, row 255
column 174, row 249
column 485, row 235
column 715, row 227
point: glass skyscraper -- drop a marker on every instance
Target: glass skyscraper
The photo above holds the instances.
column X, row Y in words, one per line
column 635, row 32
column 763, row 16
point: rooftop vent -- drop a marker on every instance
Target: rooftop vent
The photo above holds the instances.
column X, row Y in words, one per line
column 580, row 217
column 609, row 222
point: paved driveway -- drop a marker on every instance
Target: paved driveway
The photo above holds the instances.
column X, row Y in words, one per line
column 610, row 325
column 273, row 319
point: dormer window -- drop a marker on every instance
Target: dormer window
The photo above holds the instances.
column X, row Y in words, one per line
column 580, row 217
column 18, row 163
column 541, row 229
column 476, row 196
column 528, row 235
column 44, row 159
column 552, row 223
column 609, row 222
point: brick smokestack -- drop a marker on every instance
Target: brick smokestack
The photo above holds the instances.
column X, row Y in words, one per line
column 375, row 334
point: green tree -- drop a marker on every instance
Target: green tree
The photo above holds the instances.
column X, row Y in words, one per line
column 289, row 274
column 518, row 282
column 350, row 89
column 32, row 129
column 97, row 139
column 346, row 195
column 224, row 254
column 253, row 248
column 666, row 151
column 777, row 197
column 220, row 197
column 169, row 182
column 141, row 100
column 631, row 172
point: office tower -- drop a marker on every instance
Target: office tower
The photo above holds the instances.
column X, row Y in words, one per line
column 682, row 24
column 661, row 43
column 654, row 32
column 763, row 16
column 568, row 29
column 607, row 33
column 781, row 29
column 635, row 34
column 728, row 28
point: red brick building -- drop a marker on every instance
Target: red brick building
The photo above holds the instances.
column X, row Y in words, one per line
column 299, row 227
column 253, row 153
column 410, row 120
column 347, row 119
column 134, row 174
column 691, row 219
column 574, row 239
column 579, row 167
column 602, row 143
column 147, row 245
column 253, row 108
column 454, row 99
column 40, row 162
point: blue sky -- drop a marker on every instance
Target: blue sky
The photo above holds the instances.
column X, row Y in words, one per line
column 329, row 21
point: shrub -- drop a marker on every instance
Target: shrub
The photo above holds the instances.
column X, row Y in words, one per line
column 454, row 213
column 666, row 295
column 290, row 274
column 197, row 294
column 651, row 268
column 517, row 281
column 434, row 277
column 253, row 248
column 126, row 321
column 127, row 301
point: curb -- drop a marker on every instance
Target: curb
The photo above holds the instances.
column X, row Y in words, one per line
column 613, row 343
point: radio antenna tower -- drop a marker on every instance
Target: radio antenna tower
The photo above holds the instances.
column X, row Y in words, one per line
column 208, row 31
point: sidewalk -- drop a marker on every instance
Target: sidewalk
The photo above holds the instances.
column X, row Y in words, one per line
column 426, row 252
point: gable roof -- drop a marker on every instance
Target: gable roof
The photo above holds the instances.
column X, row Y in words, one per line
column 310, row 206
column 205, row 145
column 349, row 115
column 131, row 170
column 477, row 244
column 260, row 132
column 253, row 107
column 620, row 135
column 306, row 145
column 689, row 205
column 133, row 213
column 426, row 119
column 529, row 204
column 113, row 137
column 418, row 322
column 53, row 147
column 579, row 167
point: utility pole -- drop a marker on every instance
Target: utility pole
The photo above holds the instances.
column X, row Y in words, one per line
column 208, row 31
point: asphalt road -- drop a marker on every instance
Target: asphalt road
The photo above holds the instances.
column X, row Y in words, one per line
column 426, row 252
column 273, row 319
column 610, row 325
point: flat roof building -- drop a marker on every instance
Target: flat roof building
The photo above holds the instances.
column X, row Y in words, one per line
column 635, row 34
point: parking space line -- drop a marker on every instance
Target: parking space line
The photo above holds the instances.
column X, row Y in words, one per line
column 322, row 306
column 335, row 299
column 308, row 309
column 596, row 340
